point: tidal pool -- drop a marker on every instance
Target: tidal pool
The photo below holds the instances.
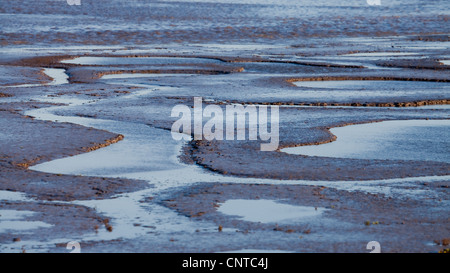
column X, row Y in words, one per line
column 361, row 90
column 137, row 60
column 13, row 220
column 380, row 55
column 58, row 76
column 422, row 140
column 268, row 211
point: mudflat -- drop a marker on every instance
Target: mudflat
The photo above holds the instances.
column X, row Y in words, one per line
column 88, row 152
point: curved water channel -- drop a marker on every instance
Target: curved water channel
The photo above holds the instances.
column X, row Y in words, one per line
column 150, row 154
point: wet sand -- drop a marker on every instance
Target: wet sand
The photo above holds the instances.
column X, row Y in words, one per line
column 87, row 153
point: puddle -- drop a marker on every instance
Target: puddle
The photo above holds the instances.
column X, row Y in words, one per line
column 12, row 220
column 363, row 59
column 130, row 76
column 21, row 225
column 14, row 214
column 344, row 61
column 13, row 196
column 360, row 89
column 58, row 75
column 268, row 211
column 142, row 75
column 137, row 60
column 394, row 140
column 378, row 55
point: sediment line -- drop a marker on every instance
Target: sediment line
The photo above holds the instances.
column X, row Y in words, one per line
column 107, row 142
column 3, row 95
column 319, row 64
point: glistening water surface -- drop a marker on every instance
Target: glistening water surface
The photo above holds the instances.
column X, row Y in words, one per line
column 393, row 140
column 137, row 60
column 268, row 211
column 343, row 90
column 151, row 154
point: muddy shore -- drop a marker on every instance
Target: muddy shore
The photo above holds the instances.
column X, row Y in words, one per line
column 252, row 54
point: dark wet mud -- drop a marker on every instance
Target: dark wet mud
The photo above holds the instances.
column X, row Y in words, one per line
column 358, row 213
column 84, row 83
